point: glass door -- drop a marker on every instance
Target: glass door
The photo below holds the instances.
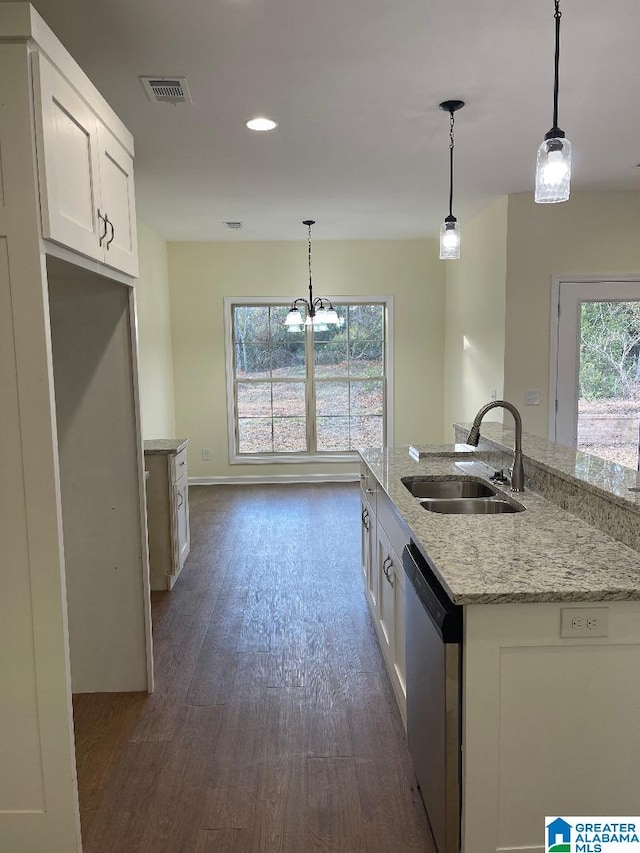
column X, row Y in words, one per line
column 597, row 407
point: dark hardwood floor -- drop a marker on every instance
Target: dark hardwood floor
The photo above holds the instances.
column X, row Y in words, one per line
column 273, row 727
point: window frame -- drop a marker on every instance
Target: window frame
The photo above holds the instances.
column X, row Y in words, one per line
column 298, row 457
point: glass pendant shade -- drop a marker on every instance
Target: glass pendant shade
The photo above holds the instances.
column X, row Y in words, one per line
column 294, row 318
column 332, row 317
column 553, row 171
column 320, row 317
column 449, row 240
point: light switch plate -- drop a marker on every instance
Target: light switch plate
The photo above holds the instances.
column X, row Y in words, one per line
column 584, row 622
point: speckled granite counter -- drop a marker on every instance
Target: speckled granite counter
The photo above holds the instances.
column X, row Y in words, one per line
column 542, row 554
column 165, row 445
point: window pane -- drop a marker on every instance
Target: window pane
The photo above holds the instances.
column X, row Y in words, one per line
column 289, row 435
column 366, row 398
column 250, row 323
column 254, row 399
column 367, row 432
column 330, row 356
column 289, row 357
column 253, row 360
column 288, row 398
column 365, row 327
column 332, row 398
column 254, row 435
column 333, row 433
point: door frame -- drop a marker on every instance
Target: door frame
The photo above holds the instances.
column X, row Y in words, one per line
column 554, row 330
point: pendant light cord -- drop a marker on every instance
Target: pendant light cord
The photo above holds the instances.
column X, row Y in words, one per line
column 310, row 288
column 451, row 145
column 558, row 15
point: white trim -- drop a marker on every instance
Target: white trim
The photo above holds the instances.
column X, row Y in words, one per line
column 142, row 490
column 299, row 459
column 387, row 301
column 90, row 264
column 554, row 330
column 350, row 477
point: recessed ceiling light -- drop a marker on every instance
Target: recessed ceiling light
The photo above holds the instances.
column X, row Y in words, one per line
column 261, row 123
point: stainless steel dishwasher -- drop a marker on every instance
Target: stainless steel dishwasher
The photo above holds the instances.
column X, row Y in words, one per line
column 434, row 662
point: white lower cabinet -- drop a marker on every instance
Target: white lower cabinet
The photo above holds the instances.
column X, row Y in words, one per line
column 383, row 540
column 181, row 511
column 167, row 515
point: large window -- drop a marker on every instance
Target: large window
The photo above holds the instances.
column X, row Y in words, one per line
column 316, row 393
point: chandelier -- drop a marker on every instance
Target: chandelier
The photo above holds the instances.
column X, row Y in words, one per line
column 318, row 311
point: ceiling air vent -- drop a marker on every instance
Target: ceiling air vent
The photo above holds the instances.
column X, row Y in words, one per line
column 167, row 90
column 233, row 225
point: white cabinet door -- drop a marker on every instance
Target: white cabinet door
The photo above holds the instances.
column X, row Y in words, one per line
column 118, row 203
column 386, row 584
column 68, row 172
column 182, row 520
column 399, row 627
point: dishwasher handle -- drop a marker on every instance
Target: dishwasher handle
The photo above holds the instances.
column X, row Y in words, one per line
column 444, row 614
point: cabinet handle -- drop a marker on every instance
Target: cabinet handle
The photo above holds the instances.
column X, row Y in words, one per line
column 369, row 491
column 104, row 220
column 113, row 231
column 365, row 518
column 180, row 500
column 387, row 569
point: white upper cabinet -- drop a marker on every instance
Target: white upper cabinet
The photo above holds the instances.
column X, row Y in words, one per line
column 120, row 240
column 87, row 198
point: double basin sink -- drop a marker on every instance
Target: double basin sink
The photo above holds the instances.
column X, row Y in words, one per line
column 459, row 496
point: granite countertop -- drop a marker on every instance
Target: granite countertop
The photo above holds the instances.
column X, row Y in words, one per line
column 165, row 445
column 542, row 554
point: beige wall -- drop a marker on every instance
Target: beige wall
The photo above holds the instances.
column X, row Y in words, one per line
column 155, row 363
column 202, row 274
column 591, row 234
column 475, row 316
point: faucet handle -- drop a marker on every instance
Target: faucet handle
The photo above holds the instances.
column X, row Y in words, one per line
column 499, row 477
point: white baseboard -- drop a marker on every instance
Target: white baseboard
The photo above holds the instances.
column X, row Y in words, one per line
column 247, row 479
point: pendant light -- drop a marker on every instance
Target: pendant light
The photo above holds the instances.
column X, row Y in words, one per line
column 553, row 168
column 319, row 311
column 450, row 230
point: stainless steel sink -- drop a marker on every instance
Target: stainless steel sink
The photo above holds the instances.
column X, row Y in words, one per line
column 430, row 487
column 472, row 506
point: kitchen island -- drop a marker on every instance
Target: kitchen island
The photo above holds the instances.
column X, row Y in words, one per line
column 549, row 718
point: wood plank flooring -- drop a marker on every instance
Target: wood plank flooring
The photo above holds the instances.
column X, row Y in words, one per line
column 273, row 728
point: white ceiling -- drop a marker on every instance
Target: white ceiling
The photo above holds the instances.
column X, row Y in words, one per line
column 355, row 84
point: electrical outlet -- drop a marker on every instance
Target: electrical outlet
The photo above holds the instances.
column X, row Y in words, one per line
column 206, row 454
column 532, row 398
column 493, row 395
column 584, row 622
